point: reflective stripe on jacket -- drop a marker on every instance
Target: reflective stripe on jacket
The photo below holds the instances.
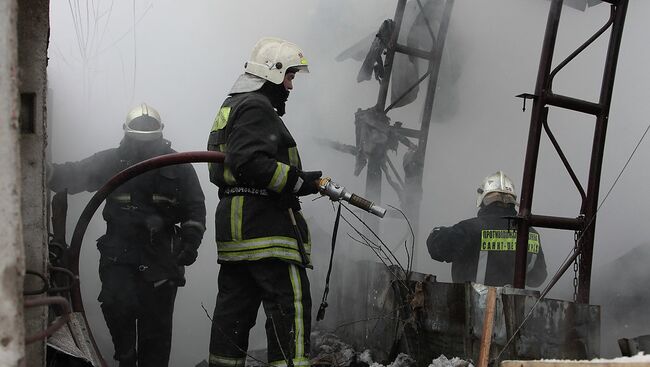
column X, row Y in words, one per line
column 261, row 163
column 482, row 249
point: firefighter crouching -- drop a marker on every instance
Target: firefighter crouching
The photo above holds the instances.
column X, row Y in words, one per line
column 263, row 242
column 482, row 249
column 144, row 250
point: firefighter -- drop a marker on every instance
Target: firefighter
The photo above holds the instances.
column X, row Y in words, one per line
column 482, row 249
column 154, row 226
column 263, row 242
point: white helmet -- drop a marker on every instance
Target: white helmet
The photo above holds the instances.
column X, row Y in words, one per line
column 497, row 182
column 143, row 123
column 271, row 57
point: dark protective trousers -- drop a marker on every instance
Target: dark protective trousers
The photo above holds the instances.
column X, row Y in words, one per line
column 283, row 290
column 138, row 315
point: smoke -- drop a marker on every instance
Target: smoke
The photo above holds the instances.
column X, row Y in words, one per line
column 182, row 58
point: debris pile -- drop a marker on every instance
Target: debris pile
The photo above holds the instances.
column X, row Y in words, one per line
column 329, row 350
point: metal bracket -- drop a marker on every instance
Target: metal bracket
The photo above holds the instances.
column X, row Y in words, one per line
column 526, row 96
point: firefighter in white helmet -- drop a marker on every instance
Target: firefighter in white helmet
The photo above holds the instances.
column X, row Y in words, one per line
column 154, row 226
column 263, row 242
column 482, row 249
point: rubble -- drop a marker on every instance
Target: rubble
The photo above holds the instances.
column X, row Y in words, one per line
column 329, row 350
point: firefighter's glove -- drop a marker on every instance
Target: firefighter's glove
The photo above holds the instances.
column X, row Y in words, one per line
column 191, row 234
column 187, row 256
column 306, row 183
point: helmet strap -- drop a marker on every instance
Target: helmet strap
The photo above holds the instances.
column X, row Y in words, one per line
column 277, row 94
column 499, row 198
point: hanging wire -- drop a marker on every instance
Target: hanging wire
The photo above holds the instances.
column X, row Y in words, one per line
column 75, row 25
column 591, row 221
column 135, row 55
column 383, row 245
column 87, row 35
column 379, row 250
column 95, row 13
column 101, row 38
column 277, row 339
column 121, row 37
column 576, row 236
column 623, row 169
column 383, row 316
column 232, row 342
column 412, row 254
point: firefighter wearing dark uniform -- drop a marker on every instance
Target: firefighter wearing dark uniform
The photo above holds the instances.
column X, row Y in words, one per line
column 482, row 249
column 262, row 253
column 144, row 250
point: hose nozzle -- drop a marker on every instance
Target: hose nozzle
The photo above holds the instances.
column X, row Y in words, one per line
column 336, row 192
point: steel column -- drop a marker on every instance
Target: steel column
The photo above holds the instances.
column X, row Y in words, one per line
column 534, row 135
column 373, row 178
column 597, row 152
column 414, row 184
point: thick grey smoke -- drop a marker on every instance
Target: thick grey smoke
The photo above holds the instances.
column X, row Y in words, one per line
column 182, row 58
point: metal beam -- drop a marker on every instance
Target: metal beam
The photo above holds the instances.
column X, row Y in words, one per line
column 598, row 150
column 574, row 104
column 427, row 55
column 547, row 221
column 534, row 135
column 411, row 133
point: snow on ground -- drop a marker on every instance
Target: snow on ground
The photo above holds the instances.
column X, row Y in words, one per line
column 639, row 358
column 442, row 361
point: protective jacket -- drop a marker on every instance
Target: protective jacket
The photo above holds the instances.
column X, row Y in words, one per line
column 141, row 215
column 482, row 249
column 256, row 182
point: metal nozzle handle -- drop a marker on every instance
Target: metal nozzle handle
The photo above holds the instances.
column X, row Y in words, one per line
column 378, row 211
column 367, row 205
column 337, row 192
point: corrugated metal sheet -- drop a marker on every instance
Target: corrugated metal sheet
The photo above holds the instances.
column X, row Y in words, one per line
column 74, row 341
column 434, row 318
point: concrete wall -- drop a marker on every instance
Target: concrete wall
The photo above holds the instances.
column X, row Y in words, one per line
column 24, row 34
column 12, row 257
column 33, row 37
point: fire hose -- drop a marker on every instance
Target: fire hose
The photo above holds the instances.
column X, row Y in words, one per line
column 326, row 187
column 96, row 201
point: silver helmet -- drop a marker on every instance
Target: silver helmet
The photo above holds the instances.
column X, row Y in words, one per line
column 143, row 123
column 500, row 186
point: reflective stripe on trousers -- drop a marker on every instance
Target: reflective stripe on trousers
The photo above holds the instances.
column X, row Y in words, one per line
column 260, row 248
